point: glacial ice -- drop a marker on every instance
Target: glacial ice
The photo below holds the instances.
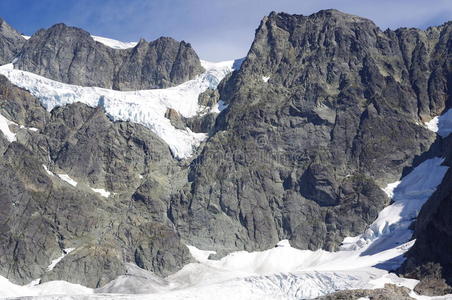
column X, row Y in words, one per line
column 146, row 107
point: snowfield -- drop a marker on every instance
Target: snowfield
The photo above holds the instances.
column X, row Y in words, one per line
column 114, row 43
column 146, row 107
column 442, row 124
column 282, row 272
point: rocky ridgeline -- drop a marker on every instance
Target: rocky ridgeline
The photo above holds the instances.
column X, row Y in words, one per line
column 10, row 42
column 325, row 110
column 71, row 55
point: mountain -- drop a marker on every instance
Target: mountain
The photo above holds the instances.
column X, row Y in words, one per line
column 324, row 111
column 71, row 55
column 327, row 137
column 10, row 42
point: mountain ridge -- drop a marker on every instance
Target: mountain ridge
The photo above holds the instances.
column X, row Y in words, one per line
column 324, row 111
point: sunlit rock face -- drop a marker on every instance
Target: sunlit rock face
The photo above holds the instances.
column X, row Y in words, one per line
column 71, row 55
column 324, row 111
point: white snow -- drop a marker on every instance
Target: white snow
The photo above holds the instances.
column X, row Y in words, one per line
column 47, row 170
column 27, row 37
column 102, row 192
column 68, row 179
column 432, row 124
column 219, row 107
column 200, row 255
column 114, row 43
column 392, row 225
column 389, row 189
column 265, row 78
column 146, row 107
column 441, row 124
column 4, row 128
column 34, row 282
column 57, row 260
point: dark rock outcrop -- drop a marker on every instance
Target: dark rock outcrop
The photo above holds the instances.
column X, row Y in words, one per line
column 324, row 111
column 389, row 292
column 10, row 43
column 41, row 214
column 70, row 55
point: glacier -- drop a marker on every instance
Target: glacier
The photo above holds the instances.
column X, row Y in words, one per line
column 146, row 107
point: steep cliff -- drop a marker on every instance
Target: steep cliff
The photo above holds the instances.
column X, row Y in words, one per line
column 71, row 55
column 325, row 110
column 74, row 179
column 10, row 43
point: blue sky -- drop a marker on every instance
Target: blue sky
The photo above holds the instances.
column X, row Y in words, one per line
column 217, row 29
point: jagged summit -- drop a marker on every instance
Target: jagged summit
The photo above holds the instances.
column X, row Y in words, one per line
column 10, row 42
column 71, row 55
column 326, row 15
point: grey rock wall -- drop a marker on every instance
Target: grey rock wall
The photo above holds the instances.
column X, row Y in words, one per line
column 70, row 55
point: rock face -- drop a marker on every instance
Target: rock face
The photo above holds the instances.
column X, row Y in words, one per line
column 70, row 55
column 41, row 214
column 430, row 259
column 10, row 43
column 389, row 292
column 324, row 111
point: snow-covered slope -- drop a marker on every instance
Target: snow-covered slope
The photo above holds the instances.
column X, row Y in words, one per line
column 441, row 124
column 282, row 272
column 114, row 43
column 146, row 107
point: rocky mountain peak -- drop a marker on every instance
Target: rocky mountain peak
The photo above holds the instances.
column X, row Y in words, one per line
column 10, row 42
column 70, row 55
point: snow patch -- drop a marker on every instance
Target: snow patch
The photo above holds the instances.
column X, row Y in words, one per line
column 146, row 107
column 68, row 179
column 265, row 78
column 200, row 255
column 115, row 44
column 47, row 170
column 283, row 243
column 102, row 192
column 34, row 282
column 441, row 124
column 4, row 128
column 57, row 260
column 389, row 189
column 219, row 107
column 27, row 37
column 432, row 124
